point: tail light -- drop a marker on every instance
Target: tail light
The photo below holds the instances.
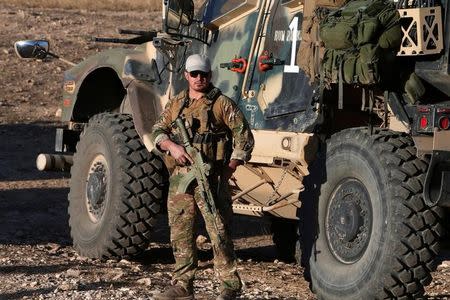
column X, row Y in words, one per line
column 431, row 117
column 423, row 122
column 444, row 123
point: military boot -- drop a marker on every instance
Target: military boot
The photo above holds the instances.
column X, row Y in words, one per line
column 227, row 294
column 175, row 292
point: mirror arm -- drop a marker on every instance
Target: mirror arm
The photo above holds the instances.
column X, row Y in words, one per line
column 141, row 38
column 62, row 59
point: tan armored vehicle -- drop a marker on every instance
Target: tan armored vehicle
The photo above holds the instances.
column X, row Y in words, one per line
column 351, row 123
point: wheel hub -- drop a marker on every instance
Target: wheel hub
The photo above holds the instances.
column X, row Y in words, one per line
column 348, row 223
column 96, row 188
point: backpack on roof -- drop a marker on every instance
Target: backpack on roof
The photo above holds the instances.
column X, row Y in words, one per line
column 357, row 37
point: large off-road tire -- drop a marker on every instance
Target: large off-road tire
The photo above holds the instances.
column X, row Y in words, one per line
column 116, row 189
column 371, row 236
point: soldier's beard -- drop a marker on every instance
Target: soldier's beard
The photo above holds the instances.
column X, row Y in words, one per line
column 200, row 86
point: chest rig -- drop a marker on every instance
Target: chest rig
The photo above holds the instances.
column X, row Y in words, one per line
column 211, row 139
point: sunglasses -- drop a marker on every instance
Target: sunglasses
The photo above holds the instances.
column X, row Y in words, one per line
column 194, row 74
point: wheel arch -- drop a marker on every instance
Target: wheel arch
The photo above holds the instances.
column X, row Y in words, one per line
column 95, row 85
column 118, row 83
column 101, row 90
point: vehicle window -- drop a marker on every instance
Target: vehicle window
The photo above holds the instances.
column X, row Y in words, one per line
column 218, row 8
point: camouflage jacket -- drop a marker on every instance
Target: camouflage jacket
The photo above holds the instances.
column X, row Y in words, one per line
column 219, row 116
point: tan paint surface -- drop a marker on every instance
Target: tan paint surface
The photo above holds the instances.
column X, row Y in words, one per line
column 262, row 195
column 299, row 148
column 441, row 140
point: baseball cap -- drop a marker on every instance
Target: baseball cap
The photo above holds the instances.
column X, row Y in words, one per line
column 197, row 62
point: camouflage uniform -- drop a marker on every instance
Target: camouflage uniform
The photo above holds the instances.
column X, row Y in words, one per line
column 218, row 126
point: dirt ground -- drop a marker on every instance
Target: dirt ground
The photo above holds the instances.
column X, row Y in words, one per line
column 36, row 258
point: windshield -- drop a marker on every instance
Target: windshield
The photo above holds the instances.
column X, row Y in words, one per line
column 217, row 8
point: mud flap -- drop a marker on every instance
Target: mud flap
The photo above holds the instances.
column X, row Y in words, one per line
column 143, row 100
column 437, row 188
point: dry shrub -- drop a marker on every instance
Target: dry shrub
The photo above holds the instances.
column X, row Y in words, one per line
column 115, row 5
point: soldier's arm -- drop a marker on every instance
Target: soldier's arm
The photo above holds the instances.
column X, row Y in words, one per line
column 160, row 136
column 162, row 127
column 243, row 141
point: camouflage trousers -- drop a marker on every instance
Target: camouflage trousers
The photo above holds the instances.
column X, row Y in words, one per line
column 182, row 210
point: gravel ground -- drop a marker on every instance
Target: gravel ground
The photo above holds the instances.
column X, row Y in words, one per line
column 36, row 257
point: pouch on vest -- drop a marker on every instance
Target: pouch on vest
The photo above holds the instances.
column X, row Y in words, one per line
column 214, row 148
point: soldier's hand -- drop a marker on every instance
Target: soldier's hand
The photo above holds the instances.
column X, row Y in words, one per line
column 176, row 151
column 229, row 170
column 181, row 156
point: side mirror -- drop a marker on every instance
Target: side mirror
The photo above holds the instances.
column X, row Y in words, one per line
column 179, row 12
column 32, row 49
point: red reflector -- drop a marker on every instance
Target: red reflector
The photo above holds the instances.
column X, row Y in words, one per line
column 67, row 102
column 444, row 123
column 423, row 122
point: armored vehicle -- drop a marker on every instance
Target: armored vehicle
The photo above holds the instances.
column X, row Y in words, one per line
column 352, row 166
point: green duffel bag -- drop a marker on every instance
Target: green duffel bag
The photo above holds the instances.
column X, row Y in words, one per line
column 338, row 32
column 367, row 68
column 338, row 64
column 361, row 22
column 360, row 66
column 391, row 37
column 356, row 23
column 330, row 65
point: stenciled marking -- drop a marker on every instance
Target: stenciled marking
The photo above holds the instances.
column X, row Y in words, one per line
column 292, row 67
column 286, row 36
column 293, row 35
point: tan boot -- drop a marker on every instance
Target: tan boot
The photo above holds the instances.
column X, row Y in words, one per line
column 174, row 292
column 227, row 294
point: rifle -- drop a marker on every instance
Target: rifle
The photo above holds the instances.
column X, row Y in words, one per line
column 200, row 171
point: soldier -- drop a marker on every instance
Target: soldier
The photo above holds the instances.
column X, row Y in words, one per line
column 222, row 134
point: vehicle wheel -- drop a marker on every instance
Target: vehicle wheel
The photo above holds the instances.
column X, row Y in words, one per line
column 116, row 189
column 373, row 236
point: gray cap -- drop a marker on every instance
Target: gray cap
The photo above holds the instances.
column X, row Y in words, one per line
column 197, row 62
